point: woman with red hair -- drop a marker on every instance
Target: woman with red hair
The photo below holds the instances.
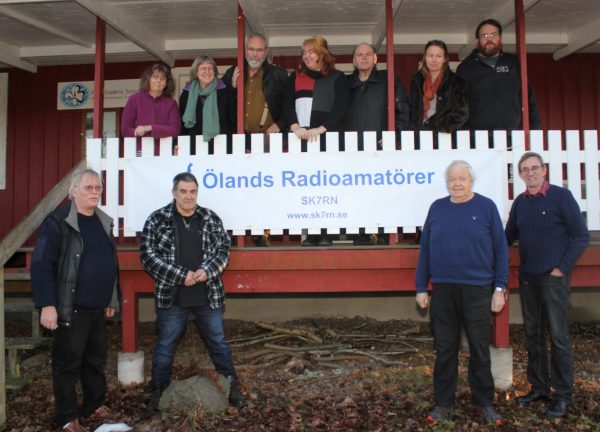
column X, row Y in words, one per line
column 317, row 93
column 315, row 101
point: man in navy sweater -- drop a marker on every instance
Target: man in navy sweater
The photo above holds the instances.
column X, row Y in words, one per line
column 74, row 279
column 465, row 256
column 552, row 234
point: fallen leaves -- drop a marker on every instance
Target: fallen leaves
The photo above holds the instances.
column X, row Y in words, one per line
column 298, row 383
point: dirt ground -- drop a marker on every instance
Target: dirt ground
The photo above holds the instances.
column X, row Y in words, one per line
column 331, row 375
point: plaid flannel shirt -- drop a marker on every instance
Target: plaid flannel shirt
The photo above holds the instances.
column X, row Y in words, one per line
column 158, row 255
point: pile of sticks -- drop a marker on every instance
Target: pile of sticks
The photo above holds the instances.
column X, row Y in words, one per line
column 284, row 344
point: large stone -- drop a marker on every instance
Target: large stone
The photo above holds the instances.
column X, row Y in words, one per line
column 197, row 391
column 37, row 361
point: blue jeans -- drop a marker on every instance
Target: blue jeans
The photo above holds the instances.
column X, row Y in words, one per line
column 170, row 326
column 545, row 306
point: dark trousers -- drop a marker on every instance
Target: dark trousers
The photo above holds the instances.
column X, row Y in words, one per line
column 79, row 353
column 170, row 326
column 545, row 306
column 453, row 306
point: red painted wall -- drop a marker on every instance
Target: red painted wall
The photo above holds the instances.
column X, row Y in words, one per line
column 43, row 143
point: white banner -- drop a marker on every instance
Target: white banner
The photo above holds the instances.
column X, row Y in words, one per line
column 80, row 94
column 311, row 190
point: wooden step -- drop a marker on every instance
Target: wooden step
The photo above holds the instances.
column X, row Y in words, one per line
column 14, row 379
column 25, row 343
column 16, row 275
column 18, row 307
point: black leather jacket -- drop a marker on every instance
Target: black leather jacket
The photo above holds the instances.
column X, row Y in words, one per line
column 55, row 283
column 274, row 84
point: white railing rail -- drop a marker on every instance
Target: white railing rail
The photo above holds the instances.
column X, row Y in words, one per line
column 570, row 164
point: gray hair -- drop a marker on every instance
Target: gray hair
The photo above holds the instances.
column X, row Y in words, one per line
column 528, row 155
column 461, row 164
column 201, row 59
column 184, row 177
column 78, row 174
column 259, row 36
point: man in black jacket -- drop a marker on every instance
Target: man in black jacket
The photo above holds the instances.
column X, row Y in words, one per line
column 264, row 87
column 368, row 109
column 494, row 84
column 74, row 279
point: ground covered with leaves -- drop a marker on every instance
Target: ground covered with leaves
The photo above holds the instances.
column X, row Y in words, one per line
column 319, row 375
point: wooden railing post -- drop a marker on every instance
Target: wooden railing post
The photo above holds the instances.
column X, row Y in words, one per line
column 522, row 54
column 241, row 32
column 99, row 77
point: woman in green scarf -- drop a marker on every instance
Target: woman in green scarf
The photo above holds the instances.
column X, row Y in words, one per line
column 203, row 103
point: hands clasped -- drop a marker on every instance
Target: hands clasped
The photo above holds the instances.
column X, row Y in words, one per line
column 193, row 278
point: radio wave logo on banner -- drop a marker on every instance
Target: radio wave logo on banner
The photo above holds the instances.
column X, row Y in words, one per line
column 74, row 95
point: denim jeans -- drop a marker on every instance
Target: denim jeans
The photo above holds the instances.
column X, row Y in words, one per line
column 170, row 326
column 545, row 307
column 453, row 306
column 79, row 354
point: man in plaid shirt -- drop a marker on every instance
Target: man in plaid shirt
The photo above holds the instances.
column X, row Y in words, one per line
column 185, row 249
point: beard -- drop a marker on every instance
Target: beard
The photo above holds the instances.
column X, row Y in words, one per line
column 255, row 64
column 490, row 49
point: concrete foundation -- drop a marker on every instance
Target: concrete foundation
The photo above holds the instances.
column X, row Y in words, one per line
column 502, row 367
column 385, row 306
column 130, row 368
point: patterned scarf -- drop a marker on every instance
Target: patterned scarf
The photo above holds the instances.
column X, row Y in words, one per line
column 429, row 91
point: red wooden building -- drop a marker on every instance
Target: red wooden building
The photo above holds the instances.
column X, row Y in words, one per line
column 43, row 43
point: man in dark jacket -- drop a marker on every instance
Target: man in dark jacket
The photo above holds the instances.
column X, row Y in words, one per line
column 264, row 87
column 74, row 279
column 263, row 97
column 494, row 84
column 185, row 248
column 368, row 108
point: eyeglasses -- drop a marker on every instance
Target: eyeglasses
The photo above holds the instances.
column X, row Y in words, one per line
column 206, row 68
column 256, row 50
column 92, row 188
column 159, row 77
column 488, row 35
column 533, row 169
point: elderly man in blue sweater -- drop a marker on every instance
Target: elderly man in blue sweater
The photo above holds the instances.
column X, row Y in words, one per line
column 465, row 256
column 552, row 234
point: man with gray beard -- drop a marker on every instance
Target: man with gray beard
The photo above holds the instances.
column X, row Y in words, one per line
column 263, row 88
column 263, row 97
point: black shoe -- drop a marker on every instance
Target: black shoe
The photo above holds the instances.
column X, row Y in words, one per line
column 261, row 241
column 438, row 414
column 324, row 241
column 532, row 396
column 558, row 409
column 235, row 396
column 154, row 398
column 490, row 415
